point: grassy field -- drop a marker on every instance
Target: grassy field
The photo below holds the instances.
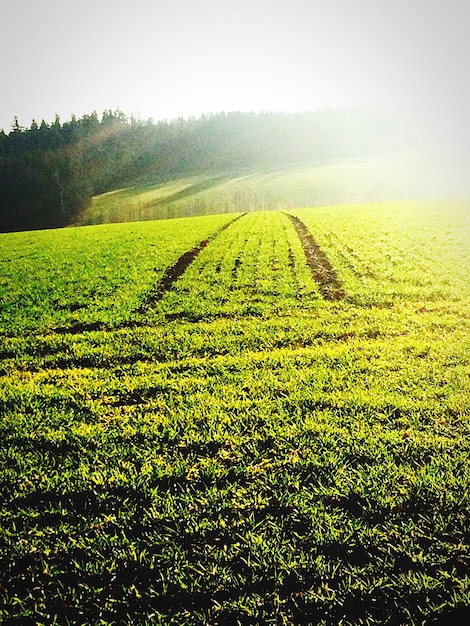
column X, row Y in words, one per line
column 349, row 182
column 193, row 433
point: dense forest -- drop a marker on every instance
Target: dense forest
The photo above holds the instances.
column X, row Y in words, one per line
column 50, row 172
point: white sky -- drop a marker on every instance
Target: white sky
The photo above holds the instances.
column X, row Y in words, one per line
column 170, row 58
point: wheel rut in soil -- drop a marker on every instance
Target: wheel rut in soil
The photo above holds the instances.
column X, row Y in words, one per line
column 171, row 274
column 321, row 268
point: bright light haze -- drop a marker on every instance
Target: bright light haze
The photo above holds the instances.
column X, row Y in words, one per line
column 171, row 58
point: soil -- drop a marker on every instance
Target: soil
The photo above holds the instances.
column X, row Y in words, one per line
column 171, row 274
column 321, row 268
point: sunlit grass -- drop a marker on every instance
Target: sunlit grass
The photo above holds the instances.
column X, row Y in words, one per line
column 240, row 451
column 374, row 180
column 90, row 275
column 397, row 250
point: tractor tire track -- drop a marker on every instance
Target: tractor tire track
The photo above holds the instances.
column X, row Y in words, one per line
column 322, row 271
column 175, row 271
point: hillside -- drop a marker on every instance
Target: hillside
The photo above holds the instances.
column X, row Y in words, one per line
column 346, row 181
column 49, row 173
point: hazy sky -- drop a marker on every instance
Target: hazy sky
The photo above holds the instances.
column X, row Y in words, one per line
column 170, row 58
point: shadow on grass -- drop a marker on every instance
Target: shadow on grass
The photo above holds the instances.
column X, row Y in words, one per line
column 192, row 189
column 94, row 577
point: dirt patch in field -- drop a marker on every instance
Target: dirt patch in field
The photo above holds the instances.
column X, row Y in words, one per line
column 171, row 274
column 321, row 268
column 235, row 267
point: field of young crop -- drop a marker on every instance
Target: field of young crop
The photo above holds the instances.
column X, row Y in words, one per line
column 237, row 419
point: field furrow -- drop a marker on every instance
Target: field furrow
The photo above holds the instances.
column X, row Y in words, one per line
column 255, row 268
column 172, row 273
column 392, row 252
column 76, row 280
column 322, row 270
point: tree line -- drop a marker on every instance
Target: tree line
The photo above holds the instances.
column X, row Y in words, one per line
column 50, row 172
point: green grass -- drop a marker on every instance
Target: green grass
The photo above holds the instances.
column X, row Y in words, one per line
column 371, row 180
column 95, row 275
column 239, row 451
